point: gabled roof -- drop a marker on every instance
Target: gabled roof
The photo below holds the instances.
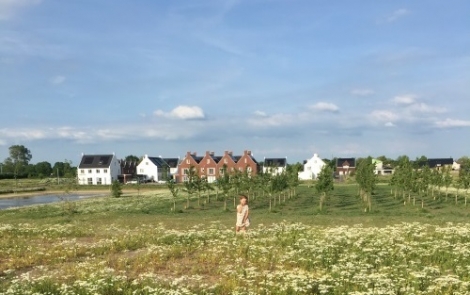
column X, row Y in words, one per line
column 128, row 164
column 198, row 159
column 95, row 161
column 340, row 162
column 172, row 162
column 217, row 158
column 437, row 162
column 159, row 162
column 275, row 162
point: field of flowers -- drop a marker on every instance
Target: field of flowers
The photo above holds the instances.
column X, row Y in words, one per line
column 282, row 258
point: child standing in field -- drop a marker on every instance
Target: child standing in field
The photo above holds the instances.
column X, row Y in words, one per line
column 243, row 220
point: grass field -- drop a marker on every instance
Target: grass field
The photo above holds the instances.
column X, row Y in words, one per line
column 138, row 245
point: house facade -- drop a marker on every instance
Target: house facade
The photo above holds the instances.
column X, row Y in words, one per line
column 212, row 167
column 345, row 166
column 128, row 170
column 153, row 169
column 312, row 167
column 274, row 166
column 98, row 169
column 380, row 168
column 173, row 164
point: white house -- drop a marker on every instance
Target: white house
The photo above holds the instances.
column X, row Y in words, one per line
column 274, row 166
column 380, row 169
column 312, row 168
column 153, row 168
column 98, row 169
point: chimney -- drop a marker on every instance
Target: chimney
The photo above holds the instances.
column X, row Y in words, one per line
column 212, row 153
column 194, row 154
column 208, row 153
column 225, row 153
column 230, row 153
column 248, row 152
column 245, row 152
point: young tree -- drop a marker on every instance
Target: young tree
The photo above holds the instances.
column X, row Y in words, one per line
column 189, row 184
column 436, row 181
column 446, row 179
column 325, row 183
column 170, row 183
column 116, row 189
column 225, row 184
column 367, row 180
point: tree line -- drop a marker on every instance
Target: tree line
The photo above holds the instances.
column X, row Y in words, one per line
column 18, row 165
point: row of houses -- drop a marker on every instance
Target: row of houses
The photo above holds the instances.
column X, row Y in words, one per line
column 104, row 169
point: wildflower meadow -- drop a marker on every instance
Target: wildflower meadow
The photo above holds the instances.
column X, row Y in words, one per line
column 137, row 245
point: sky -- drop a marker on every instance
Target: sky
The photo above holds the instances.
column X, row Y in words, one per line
column 279, row 78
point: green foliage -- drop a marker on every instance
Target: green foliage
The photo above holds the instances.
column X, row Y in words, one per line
column 367, row 180
column 171, row 184
column 324, row 184
column 116, row 189
column 132, row 158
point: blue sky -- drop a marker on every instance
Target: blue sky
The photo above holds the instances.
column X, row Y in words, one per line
column 280, row 78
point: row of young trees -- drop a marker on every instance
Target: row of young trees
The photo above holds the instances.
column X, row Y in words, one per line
column 408, row 182
column 271, row 187
column 427, row 183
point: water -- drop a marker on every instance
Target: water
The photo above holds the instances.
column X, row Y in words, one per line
column 40, row 199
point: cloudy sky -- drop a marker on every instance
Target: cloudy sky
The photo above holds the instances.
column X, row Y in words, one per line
column 280, row 78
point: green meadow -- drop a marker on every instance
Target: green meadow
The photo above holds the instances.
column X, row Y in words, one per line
column 137, row 244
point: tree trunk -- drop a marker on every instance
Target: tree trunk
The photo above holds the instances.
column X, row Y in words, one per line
column 270, row 204
column 369, row 202
column 225, row 204
column 422, row 203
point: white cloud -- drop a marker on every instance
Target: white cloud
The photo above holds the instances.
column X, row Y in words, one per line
column 452, row 123
column 397, row 14
column 324, row 107
column 362, row 92
column 406, row 99
column 389, row 124
column 8, row 8
column 422, row 107
column 384, row 116
column 260, row 114
column 183, row 112
column 57, row 80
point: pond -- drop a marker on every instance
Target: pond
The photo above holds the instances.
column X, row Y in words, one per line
column 40, row 199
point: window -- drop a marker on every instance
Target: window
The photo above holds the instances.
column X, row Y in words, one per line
column 225, row 161
column 248, row 169
column 246, row 161
column 146, row 163
column 185, row 179
column 105, row 171
column 221, row 171
column 98, row 180
column 211, row 171
column 89, row 171
column 187, row 161
column 90, row 181
column 185, row 171
column 141, row 170
column 203, row 170
column 97, row 170
column 232, row 169
column 82, row 171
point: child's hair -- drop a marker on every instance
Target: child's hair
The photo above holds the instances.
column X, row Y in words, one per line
column 244, row 197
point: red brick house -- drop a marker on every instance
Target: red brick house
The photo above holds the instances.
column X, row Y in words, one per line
column 212, row 167
column 345, row 166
